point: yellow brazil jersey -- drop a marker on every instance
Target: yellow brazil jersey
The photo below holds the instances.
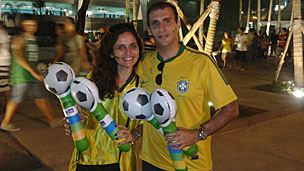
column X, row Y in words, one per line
column 193, row 79
column 102, row 150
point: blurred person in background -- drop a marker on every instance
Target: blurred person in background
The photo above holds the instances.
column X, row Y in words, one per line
column 5, row 62
column 25, row 77
column 226, row 50
column 71, row 49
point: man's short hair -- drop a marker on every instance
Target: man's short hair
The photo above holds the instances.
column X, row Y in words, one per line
column 70, row 19
column 60, row 25
column 162, row 5
column 242, row 28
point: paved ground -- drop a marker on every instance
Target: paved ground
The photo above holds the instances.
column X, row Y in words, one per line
column 272, row 140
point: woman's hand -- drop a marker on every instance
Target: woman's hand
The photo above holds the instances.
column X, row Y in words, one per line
column 124, row 133
column 67, row 127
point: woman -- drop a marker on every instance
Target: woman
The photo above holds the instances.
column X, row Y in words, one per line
column 226, row 49
column 113, row 74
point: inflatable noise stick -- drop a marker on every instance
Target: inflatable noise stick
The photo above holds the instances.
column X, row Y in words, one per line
column 167, row 113
column 136, row 105
column 57, row 80
column 71, row 113
column 86, row 95
column 161, row 110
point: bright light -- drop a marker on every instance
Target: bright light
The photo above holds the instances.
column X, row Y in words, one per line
column 89, row 13
column 298, row 93
column 210, row 104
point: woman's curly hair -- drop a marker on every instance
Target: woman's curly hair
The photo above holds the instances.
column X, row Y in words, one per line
column 105, row 68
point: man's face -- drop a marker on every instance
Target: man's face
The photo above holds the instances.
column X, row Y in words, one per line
column 240, row 31
column 69, row 28
column 163, row 26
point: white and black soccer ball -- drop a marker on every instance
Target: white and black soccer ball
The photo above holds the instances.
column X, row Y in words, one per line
column 136, row 104
column 163, row 106
column 85, row 93
column 58, row 78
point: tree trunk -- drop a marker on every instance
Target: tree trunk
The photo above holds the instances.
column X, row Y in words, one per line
column 279, row 16
column 212, row 26
column 259, row 15
column 269, row 17
column 240, row 13
column 201, row 29
column 127, row 11
column 82, row 17
column 135, row 13
column 248, row 16
column 298, row 44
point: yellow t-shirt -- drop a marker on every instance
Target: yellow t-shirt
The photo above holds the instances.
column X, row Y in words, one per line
column 193, row 79
column 102, row 149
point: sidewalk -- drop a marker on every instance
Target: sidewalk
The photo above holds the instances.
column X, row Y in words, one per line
column 271, row 141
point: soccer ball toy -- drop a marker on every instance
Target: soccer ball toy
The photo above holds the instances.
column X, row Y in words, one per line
column 136, row 104
column 58, row 78
column 163, row 106
column 81, row 90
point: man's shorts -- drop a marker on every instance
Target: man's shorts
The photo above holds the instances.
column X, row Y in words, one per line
column 279, row 51
column 36, row 90
column 4, row 78
column 240, row 56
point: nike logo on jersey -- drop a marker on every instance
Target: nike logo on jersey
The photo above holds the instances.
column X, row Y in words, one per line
column 144, row 82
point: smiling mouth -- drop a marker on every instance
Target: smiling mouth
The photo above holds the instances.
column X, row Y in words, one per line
column 162, row 36
column 128, row 59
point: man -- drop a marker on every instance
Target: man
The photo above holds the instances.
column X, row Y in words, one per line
column 71, row 49
column 241, row 49
column 193, row 79
column 282, row 40
column 25, row 77
column 5, row 62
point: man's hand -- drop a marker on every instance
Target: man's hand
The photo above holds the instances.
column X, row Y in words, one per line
column 182, row 138
column 124, row 132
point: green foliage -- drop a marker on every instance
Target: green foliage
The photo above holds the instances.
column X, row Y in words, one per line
column 39, row 4
column 287, row 87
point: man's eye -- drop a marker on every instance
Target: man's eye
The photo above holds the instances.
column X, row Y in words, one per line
column 155, row 23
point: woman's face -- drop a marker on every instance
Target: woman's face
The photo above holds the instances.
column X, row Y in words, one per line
column 126, row 51
column 226, row 35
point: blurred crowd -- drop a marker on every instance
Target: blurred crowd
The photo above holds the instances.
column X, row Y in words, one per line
column 252, row 46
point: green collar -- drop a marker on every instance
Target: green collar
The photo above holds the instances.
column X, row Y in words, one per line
column 180, row 51
column 127, row 82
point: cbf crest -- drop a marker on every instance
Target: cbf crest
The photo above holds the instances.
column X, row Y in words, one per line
column 183, row 85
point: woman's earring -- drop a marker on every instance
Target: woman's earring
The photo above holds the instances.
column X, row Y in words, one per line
column 111, row 56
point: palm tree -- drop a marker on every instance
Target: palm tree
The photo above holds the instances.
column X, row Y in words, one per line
column 201, row 30
column 82, row 16
column 259, row 15
column 240, row 13
column 279, row 15
column 248, row 16
column 212, row 26
column 12, row 15
column 298, row 44
column 269, row 17
column 39, row 4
